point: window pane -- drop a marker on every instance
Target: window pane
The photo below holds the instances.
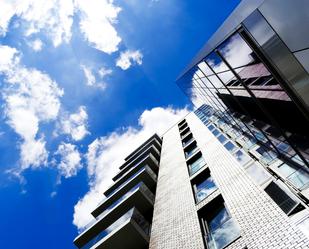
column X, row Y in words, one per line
column 219, row 219
column 215, row 132
column 222, row 138
column 204, row 189
column 196, row 165
column 229, row 146
column 241, row 157
column 236, row 51
column 228, row 232
column 215, row 62
column 206, row 70
column 258, row 174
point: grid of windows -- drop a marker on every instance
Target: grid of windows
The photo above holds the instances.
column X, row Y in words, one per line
column 293, row 174
column 219, row 228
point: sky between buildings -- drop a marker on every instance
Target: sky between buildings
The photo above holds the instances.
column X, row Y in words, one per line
column 84, row 82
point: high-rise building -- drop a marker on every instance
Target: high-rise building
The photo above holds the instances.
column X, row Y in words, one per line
column 234, row 173
column 198, row 186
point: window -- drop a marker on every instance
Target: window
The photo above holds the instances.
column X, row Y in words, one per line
column 187, row 140
column 182, row 127
column 222, row 138
column 211, row 127
column 196, row 164
column 203, row 186
column 191, row 149
column 182, row 122
column 215, row 132
column 230, row 146
column 283, row 200
column 297, row 176
column 242, row 157
column 184, row 132
column 220, row 228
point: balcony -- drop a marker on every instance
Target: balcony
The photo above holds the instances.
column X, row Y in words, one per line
column 144, row 174
column 148, row 159
column 153, row 141
column 135, row 195
column 131, row 227
column 150, row 150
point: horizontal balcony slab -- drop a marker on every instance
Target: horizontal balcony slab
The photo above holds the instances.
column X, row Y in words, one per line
column 149, row 159
column 146, row 176
column 151, row 148
column 154, row 140
column 131, row 230
column 141, row 198
column 129, row 236
column 126, row 178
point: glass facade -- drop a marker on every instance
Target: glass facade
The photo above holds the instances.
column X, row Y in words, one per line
column 241, row 80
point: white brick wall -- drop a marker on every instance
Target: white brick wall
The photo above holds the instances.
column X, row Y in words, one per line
column 263, row 224
column 175, row 223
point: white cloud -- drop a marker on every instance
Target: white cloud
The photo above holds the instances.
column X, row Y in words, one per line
column 128, row 58
column 105, row 154
column 91, row 78
column 70, row 160
column 75, row 124
column 36, row 45
column 104, row 72
column 55, row 17
column 97, row 19
column 30, row 98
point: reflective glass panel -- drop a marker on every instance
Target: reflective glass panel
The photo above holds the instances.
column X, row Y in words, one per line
column 205, row 188
column 242, row 157
column 215, row 132
column 258, row 174
column 196, row 165
column 222, row 230
column 236, row 51
column 222, row 138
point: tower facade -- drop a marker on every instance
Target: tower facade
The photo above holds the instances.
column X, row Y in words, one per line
column 233, row 173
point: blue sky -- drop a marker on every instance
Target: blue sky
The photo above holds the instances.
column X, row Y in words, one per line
column 82, row 84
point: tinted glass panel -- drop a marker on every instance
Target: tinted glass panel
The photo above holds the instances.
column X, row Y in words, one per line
column 204, row 189
column 242, row 157
column 236, row 51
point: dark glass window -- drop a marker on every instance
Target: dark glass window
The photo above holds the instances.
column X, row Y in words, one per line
column 191, row 149
column 230, row 146
column 242, row 157
column 215, row 132
column 221, row 228
column 196, row 164
column 222, row 138
column 284, row 201
column 204, row 188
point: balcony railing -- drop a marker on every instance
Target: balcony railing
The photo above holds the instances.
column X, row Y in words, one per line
column 125, row 182
column 133, row 214
column 119, row 200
